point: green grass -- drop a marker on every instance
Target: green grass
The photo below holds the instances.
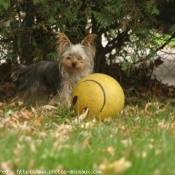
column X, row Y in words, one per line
column 140, row 141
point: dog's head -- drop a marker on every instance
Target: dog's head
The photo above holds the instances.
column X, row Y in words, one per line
column 75, row 58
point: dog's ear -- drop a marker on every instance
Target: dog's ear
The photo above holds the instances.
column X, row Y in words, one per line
column 16, row 71
column 62, row 41
column 89, row 43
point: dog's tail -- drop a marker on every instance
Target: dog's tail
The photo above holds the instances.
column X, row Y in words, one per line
column 17, row 69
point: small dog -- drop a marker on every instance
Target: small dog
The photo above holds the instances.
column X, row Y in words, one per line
column 38, row 81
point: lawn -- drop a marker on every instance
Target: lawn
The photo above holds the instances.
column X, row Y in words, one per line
column 140, row 141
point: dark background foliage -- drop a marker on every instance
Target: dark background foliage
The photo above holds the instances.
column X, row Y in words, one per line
column 27, row 26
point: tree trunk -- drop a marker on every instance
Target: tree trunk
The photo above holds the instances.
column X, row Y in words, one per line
column 27, row 35
column 100, row 58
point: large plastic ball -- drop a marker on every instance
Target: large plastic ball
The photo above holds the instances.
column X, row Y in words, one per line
column 100, row 93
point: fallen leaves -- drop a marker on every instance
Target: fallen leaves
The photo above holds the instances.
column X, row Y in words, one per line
column 164, row 124
column 6, row 168
column 109, row 150
column 149, row 109
column 32, row 120
column 116, row 167
column 22, row 119
column 47, row 107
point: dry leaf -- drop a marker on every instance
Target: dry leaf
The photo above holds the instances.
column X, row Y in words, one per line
column 34, row 110
column 164, row 125
column 18, row 149
column 125, row 131
column 81, row 117
column 47, row 107
column 116, row 167
column 173, row 128
column 33, row 147
column 38, row 121
column 12, row 124
column 16, row 103
column 87, row 142
column 80, row 120
column 127, row 142
column 173, row 116
column 109, row 150
column 1, row 114
column 6, row 168
column 64, row 129
column 1, row 126
column 25, row 114
column 5, row 120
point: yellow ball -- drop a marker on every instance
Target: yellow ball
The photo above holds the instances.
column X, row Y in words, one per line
column 100, row 93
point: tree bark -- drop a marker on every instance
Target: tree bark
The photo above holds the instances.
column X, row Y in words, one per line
column 27, row 48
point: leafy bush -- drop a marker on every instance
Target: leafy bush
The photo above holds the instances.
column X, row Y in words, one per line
column 27, row 27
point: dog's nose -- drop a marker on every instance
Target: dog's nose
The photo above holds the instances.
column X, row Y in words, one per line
column 74, row 64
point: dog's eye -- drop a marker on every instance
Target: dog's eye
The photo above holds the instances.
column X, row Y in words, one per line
column 79, row 58
column 68, row 58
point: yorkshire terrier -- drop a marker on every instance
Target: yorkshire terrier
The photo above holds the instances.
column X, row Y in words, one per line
column 37, row 81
